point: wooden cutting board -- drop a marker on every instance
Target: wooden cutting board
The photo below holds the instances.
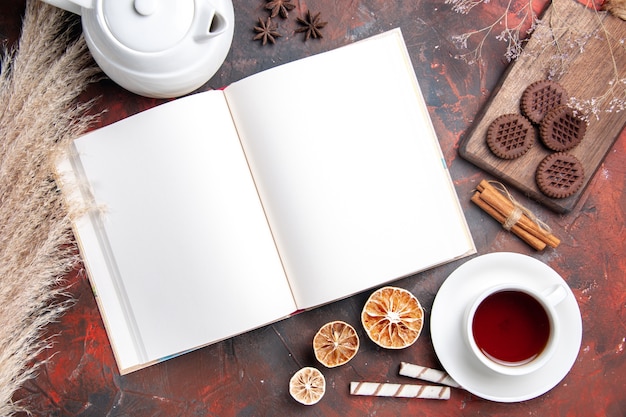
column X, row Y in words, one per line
column 577, row 38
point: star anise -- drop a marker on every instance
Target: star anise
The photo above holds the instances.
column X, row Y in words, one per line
column 279, row 7
column 312, row 26
column 266, row 31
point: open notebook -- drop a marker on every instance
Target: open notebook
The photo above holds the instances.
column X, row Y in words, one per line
column 223, row 211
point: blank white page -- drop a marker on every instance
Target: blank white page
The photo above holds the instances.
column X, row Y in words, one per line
column 189, row 249
column 349, row 169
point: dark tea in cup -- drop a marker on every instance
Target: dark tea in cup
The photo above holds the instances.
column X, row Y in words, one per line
column 511, row 327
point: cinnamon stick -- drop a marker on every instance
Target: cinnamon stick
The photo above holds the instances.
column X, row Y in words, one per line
column 505, row 207
column 531, row 240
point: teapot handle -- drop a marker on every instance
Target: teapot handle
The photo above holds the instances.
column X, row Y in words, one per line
column 211, row 23
column 74, row 6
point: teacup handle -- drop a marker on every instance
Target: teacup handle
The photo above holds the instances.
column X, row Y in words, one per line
column 554, row 295
column 211, row 23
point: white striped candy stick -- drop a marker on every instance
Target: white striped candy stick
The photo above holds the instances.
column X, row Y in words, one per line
column 400, row 390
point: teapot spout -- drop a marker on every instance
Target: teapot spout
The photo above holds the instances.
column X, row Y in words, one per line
column 74, row 6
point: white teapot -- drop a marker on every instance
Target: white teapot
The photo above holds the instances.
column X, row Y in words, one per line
column 156, row 48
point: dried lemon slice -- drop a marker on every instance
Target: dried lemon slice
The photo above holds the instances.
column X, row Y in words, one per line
column 307, row 386
column 335, row 343
column 393, row 318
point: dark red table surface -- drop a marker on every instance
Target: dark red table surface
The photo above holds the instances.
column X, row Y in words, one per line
column 248, row 375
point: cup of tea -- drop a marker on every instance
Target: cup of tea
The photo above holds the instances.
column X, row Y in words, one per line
column 513, row 329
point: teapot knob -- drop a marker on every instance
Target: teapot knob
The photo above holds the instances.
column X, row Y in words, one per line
column 146, row 7
column 210, row 23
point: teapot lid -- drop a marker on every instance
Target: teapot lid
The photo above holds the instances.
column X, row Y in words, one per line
column 148, row 25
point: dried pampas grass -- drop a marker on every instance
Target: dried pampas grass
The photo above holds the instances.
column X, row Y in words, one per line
column 40, row 82
column 616, row 7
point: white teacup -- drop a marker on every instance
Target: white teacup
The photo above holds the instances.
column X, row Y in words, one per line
column 513, row 329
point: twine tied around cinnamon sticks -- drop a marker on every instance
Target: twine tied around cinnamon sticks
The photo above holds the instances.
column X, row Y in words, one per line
column 513, row 216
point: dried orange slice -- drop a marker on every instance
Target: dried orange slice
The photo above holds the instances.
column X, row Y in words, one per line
column 393, row 318
column 307, row 386
column 335, row 343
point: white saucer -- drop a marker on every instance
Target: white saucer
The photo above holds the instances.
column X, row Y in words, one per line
column 460, row 288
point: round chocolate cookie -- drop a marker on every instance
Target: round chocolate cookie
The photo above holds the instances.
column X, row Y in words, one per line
column 510, row 136
column 561, row 129
column 540, row 97
column 559, row 175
